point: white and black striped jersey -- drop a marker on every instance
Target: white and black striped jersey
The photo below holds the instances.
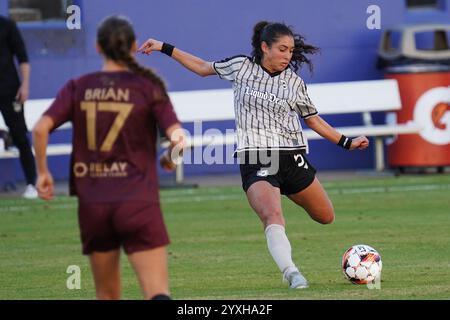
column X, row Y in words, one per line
column 267, row 106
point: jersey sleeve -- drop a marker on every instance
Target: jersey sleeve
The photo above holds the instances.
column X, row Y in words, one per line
column 61, row 110
column 227, row 69
column 305, row 107
column 165, row 115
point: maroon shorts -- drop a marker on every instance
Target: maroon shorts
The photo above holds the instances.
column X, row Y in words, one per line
column 136, row 226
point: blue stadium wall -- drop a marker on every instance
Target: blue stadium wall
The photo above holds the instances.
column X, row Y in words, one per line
column 214, row 30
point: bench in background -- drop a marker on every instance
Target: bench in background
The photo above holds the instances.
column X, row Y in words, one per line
column 361, row 97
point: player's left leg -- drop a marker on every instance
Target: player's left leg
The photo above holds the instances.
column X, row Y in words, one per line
column 152, row 271
column 105, row 268
column 315, row 201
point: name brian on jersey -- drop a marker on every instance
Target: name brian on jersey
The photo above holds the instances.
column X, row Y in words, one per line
column 265, row 96
column 107, row 94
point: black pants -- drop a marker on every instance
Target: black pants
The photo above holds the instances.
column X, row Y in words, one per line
column 15, row 121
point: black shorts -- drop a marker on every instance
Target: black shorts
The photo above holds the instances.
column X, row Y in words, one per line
column 291, row 173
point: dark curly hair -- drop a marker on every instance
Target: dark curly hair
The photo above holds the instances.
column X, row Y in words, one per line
column 269, row 33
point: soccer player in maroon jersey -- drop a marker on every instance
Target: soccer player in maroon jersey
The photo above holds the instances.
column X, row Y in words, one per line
column 115, row 113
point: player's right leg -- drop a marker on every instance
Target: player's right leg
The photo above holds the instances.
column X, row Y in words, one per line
column 101, row 244
column 265, row 199
column 105, row 268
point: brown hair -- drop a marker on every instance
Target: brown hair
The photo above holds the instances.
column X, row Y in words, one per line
column 116, row 36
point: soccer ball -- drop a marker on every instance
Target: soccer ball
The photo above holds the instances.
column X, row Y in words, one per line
column 362, row 264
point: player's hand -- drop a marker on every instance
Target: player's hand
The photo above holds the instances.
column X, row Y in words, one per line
column 150, row 45
column 45, row 186
column 360, row 143
column 166, row 161
column 22, row 94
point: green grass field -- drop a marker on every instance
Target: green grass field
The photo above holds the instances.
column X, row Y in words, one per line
column 218, row 248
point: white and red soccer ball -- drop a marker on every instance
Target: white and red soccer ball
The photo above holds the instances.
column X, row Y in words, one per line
column 362, row 264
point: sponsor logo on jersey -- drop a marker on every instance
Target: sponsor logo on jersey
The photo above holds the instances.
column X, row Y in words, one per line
column 100, row 169
column 265, row 96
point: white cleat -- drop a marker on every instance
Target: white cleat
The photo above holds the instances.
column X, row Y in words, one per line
column 30, row 192
column 296, row 280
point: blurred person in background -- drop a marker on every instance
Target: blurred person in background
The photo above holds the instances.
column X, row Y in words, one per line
column 14, row 92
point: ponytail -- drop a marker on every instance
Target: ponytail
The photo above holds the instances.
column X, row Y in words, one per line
column 116, row 38
column 256, row 40
column 135, row 67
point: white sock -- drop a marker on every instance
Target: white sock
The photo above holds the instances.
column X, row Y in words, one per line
column 279, row 247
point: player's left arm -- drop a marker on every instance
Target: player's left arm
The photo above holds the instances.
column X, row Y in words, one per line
column 41, row 131
column 322, row 127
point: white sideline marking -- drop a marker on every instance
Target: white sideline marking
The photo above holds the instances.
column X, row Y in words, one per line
column 241, row 196
column 387, row 189
column 381, row 189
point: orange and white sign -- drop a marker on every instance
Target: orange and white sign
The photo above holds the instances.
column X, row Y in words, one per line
column 426, row 102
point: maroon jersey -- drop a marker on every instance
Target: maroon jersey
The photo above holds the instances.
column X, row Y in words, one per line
column 114, row 117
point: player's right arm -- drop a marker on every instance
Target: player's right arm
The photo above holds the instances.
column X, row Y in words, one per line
column 195, row 64
column 41, row 131
column 59, row 112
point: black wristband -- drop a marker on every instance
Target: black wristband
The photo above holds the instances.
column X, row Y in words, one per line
column 345, row 142
column 167, row 49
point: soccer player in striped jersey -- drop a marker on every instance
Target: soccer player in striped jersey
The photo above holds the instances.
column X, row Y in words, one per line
column 269, row 98
column 115, row 113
